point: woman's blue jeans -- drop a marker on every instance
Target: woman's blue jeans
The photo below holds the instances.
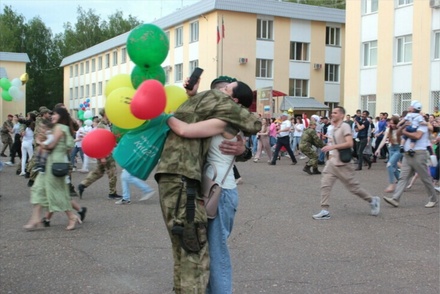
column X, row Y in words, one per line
column 394, row 157
column 219, row 229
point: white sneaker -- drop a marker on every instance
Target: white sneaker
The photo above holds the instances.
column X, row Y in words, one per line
column 437, row 188
column 8, row 163
column 22, row 174
column 302, row 157
column 431, row 204
column 375, row 205
column 147, row 196
column 323, row 214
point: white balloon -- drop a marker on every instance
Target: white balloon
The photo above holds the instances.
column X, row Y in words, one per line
column 88, row 114
column 88, row 122
column 14, row 92
column 19, row 98
column 16, row 82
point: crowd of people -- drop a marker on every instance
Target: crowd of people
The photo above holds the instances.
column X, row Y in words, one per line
column 211, row 128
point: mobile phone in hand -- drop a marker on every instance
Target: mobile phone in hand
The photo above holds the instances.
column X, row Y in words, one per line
column 195, row 76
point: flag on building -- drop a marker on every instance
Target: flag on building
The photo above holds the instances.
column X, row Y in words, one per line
column 223, row 28
column 218, row 35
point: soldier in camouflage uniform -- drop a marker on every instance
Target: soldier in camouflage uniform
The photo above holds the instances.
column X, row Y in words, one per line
column 6, row 135
column 309, row 138
column 179, row 174
column 107, row 164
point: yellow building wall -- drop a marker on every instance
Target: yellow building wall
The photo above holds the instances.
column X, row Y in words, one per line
column 317, row 53
column 14, row 70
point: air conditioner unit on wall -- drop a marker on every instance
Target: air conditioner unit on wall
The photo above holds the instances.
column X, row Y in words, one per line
column 242, row 60
column 317, row 66
column 434, row 3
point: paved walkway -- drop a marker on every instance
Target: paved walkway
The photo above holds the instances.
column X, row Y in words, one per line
column 276, row 246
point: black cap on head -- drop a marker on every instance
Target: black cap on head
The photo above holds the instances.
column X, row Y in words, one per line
column 222, row 79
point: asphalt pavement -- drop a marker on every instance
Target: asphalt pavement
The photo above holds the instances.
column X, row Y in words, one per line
column 276, row 246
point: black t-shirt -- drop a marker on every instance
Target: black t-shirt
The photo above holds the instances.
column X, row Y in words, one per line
column 364, row 132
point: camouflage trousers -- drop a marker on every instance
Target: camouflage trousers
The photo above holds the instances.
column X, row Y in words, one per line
column 98, row 172
column 311, row 154
column 191, row 270
column 7, row 141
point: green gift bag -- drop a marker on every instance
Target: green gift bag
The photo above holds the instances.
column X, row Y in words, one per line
column 139, row 150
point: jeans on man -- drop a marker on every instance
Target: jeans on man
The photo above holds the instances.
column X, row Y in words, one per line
column 219, row 229
column 127, row 179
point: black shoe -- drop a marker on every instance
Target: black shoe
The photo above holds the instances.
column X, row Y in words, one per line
column 402, row 150
column 321, row 162
column 358, row 168
column 369, row 164
column 316, row 171
column 294, row 162
column 72, row 191
column 3, row 155
column 45, row 222
column 271, row 163
column 411, row 152
column 27, row 175
column 82, row 213
column 114, row 196
column 81, row 189
column 307, row 170
column 30, row 183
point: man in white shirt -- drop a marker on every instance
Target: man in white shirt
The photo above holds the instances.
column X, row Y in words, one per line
column 283, row 139
column 412, row 164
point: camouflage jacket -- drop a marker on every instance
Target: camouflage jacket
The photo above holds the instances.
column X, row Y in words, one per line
column 186, row 156
column 309, row 138
column 5, row 128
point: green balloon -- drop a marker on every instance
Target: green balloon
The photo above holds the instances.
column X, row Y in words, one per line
column 5, row 84
column 147, row 45
column 6, row 96
column 139, row 75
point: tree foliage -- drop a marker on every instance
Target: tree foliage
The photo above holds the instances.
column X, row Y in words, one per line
column 340, row 4
column 46, row 51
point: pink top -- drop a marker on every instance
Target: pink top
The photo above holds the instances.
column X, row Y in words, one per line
column 273, row 130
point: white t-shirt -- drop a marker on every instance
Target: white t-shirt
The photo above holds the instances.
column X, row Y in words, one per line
column 416, row 119
column 298, row 130
column 28, row 135
column 420, row 144
column 285, row 125
column 79, row 135
column 221, row 163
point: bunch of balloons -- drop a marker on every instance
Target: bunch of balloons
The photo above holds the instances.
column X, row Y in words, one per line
column 82, row 109
column 11, row 89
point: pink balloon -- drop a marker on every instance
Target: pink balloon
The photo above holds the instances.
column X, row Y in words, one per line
column 99, row 143
column 149, row 101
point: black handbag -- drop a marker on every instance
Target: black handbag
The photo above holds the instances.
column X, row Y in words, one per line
column 60, row 169
column 345, row 155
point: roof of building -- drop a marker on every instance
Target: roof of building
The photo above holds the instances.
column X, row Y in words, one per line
column 298, row 103
column 14, row 57
column 262, row 7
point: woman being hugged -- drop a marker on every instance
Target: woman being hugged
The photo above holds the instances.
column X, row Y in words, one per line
column 49, row 191
column 263, row 141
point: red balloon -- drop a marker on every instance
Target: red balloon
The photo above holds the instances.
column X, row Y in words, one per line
column 83, row 108
column 98, row 143
column 149, row 101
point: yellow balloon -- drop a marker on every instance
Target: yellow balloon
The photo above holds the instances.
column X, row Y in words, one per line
column 117, row 109
column 118, row 81
column 24, row 78
column 175, row 97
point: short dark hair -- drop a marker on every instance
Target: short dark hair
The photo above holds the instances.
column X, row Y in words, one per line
column 367, row 112
column 342, row 109
column 244, row 94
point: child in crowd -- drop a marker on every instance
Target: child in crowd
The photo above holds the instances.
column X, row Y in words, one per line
column 127, row 179
column 45, row 134
column 416, row 120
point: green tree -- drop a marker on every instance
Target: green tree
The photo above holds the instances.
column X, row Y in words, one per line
column 340, row 4
column 12, row 31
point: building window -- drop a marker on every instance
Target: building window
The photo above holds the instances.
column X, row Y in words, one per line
column 179, row 36
column 87, row 66
column 81, row 92
column 81, row 67
column 370, row 6
column 404, row 49
column 115, row 58
column 264, row 29
column 333, row 36
column 93, row 65
column 332, row 73
column 194, row 33
column 299, row 51
column 368, row 102
column 123, row 55
column 435, row 97
column 404, row 2
column 178, row 72
column 76, row 93
column 99, row 88
column 298, row 88
column 192, row 65
column 370, row 53
column 167, row 33
column 107, row 60
column 71, row 71
column 99, row 62
column 94, row 89
column 437, row 45
column 71, row 93
column 264, row 68
column 76, row 70
column 87, row 91
column 401, row 102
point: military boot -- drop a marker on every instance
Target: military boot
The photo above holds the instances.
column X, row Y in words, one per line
column 307, row 170
column 316, row 171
